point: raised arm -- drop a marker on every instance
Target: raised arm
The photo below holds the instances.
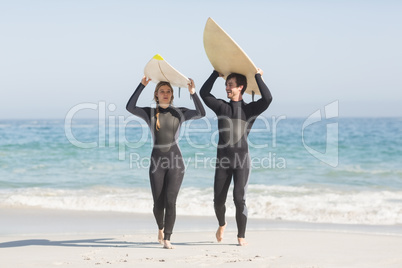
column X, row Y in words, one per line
column 206, row 95
column 199, row 108
column 142, row 112
column 262, row 104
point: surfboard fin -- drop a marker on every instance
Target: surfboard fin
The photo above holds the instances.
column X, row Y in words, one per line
column 179, row 91
column 252, row 95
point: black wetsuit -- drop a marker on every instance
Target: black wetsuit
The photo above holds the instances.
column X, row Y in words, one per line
column 235, row 119
column 167, row 167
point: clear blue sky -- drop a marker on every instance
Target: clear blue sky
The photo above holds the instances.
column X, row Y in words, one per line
column 55, row 55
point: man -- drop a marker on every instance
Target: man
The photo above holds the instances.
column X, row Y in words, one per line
column 235, row 119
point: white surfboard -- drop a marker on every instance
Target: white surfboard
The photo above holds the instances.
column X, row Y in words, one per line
column 227, row 57
column 159, row 69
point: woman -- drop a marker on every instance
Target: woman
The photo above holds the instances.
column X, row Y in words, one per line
column 167, row 167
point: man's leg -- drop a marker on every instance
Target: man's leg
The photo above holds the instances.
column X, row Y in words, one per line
column 223, row 177
column 240, row 179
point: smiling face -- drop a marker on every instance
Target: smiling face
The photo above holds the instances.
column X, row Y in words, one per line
column 232, row 90
column 164, row 94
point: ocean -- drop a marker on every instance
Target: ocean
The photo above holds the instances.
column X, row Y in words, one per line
column 339, row 170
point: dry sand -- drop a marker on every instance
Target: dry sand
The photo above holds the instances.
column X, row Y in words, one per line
column 46, row 238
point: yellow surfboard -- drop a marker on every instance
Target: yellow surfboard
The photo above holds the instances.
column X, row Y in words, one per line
column 227, row 57
column 158, row 69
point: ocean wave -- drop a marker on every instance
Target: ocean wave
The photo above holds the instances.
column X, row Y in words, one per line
column 306, row 204
column 357, row 169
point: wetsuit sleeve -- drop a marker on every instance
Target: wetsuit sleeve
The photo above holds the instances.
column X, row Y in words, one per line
column 142, row 112
column 266, row 98
column 199, row 109
column 206, row 95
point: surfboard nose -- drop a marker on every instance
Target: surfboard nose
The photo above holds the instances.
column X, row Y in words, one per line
column 158, row 57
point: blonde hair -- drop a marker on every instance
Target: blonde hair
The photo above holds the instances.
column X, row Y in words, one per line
column 161, row 83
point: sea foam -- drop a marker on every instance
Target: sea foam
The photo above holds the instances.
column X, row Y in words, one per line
column 307, row 204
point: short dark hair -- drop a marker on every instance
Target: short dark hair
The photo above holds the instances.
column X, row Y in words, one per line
column 241, row 80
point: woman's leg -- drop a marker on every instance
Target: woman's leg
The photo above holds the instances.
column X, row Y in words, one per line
column 157, row 180
column 174, row 178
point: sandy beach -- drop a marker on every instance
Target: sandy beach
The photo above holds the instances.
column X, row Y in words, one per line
column 49, row 238
column 314, row 143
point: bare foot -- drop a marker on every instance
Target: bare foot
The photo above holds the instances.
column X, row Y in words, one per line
column 167, row 245
column 160, row 236
column 219, row 232
column 242, row 242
